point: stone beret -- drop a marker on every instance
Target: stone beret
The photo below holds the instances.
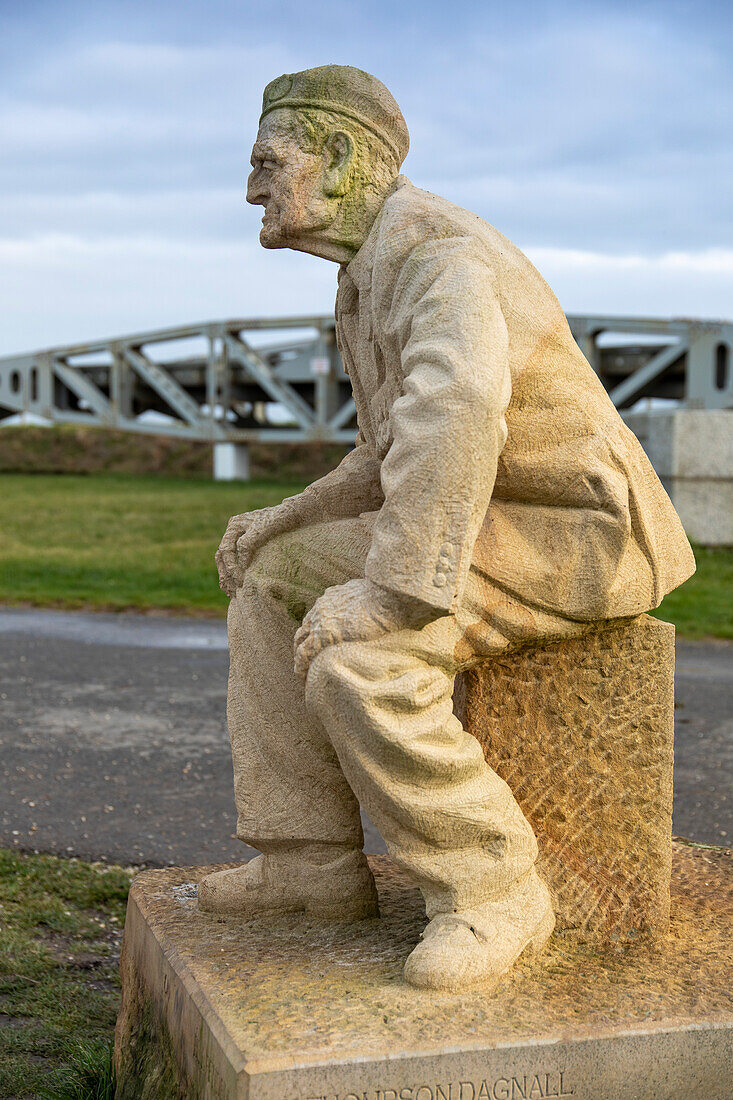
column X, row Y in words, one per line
column 344, row 91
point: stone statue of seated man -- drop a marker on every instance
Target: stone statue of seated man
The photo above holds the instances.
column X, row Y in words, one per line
column 494, row 499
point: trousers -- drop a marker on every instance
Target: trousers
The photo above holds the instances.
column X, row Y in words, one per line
column 374, row 723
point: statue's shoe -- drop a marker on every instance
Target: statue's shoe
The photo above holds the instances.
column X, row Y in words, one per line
column 343, row 889
column 478, row 946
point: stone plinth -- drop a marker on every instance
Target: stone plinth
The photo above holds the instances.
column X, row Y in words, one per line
column 692, row 453
column 289, row 1009
column 583, row 733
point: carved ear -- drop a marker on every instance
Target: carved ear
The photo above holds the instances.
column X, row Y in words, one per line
column 338, row 158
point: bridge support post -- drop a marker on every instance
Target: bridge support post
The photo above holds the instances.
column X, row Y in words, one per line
column 231, row 462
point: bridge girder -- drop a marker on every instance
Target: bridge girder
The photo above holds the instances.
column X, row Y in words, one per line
column 223, row 392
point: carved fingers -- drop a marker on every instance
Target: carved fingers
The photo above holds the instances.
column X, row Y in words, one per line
column 232, row 556
column 358, row 610
column 344, row 613
column 313, row 636
column 332, row 619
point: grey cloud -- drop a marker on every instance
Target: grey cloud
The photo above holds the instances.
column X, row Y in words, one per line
column 589, row 104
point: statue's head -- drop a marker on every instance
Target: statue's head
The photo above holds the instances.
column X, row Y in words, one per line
column 330, row 143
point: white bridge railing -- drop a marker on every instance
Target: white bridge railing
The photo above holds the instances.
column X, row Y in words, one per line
column 281, row 379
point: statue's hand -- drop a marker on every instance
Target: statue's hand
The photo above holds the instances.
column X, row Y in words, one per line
column 243, row 536
column 356, row 611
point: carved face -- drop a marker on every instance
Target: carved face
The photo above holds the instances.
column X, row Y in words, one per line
column 288, row 182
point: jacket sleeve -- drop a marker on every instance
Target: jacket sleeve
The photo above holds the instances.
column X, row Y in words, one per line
column 352, row 488
column 447, row 428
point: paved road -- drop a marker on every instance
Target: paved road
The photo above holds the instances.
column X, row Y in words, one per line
column 113, row 740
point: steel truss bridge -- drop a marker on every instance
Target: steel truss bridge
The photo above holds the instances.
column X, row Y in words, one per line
column 281, row 379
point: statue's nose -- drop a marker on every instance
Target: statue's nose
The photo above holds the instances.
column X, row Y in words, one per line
column 256, row 192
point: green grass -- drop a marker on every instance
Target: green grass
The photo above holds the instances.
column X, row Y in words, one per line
column 703, row 607
column 60, row 929
column 115, row 541
column 89, row 1075
column 119, row 542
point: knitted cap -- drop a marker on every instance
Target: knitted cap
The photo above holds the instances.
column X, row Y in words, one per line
column 345, row 91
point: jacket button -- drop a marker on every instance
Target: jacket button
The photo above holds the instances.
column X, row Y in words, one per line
column 439, row 580
column 445, row 564
column 446, row 550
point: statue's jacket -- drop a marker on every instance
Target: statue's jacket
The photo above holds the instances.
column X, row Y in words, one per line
column 486, row 439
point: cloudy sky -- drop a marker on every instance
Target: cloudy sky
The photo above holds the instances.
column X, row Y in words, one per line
column 597, row 135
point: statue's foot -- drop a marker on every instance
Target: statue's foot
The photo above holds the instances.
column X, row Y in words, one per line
column 341, row 889
column 480, row 945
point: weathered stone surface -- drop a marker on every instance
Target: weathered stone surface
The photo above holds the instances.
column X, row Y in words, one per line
column 583, row 733
column 291, row 1009
column 494, row 499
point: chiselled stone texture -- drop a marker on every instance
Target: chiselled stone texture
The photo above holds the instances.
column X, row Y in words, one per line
column 285, row 1007
column 582, row 731
column 494, row 499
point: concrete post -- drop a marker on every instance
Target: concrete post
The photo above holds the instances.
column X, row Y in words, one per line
column 231, row 462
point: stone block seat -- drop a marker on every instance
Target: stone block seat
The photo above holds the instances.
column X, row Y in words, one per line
column 582, row 731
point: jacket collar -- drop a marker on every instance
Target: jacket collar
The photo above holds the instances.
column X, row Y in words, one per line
column 359, row 269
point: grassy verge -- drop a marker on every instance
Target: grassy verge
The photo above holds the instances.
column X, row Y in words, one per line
column 60, row 931
column 703, row 607
column 116, row 542
column 120, row 542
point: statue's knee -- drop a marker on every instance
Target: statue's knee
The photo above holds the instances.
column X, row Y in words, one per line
column 266, row 567
column 266, row 560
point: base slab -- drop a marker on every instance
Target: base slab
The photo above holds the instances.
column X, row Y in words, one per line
column 287, row 1008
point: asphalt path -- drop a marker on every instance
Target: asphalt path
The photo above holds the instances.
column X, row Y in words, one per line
column 113, row 739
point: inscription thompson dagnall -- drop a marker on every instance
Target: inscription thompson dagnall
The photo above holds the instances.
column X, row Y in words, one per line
column 537, row 1086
